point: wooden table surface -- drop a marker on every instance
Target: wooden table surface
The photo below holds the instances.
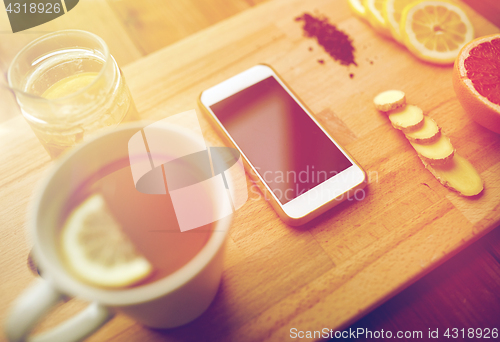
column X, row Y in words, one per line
column 342, row 265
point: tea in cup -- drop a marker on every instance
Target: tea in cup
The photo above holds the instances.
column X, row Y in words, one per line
column 89, row 212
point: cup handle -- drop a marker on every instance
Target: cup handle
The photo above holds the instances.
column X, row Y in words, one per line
column 36, row 301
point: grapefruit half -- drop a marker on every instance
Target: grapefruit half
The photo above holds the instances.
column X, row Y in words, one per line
column 476, row 80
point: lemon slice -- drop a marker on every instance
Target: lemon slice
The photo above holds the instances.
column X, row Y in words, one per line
column 375, row 16
column 357, row 8
column 69, row 85
column 97, row 251
column 435, row 31
column 392, row 14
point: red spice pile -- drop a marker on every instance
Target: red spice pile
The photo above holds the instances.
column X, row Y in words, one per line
column 335, row 42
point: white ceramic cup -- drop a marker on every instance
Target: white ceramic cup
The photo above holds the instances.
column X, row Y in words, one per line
column 169, row 302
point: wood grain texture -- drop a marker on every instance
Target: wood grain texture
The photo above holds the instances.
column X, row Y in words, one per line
column 406, row 227
column 155, row 24
column 346, row 262
column 461, row 293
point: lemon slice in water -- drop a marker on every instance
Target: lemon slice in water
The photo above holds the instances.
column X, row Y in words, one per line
column 97, row 251
column 69, row 85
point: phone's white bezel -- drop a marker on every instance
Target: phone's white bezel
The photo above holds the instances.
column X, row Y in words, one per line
column 324, row 195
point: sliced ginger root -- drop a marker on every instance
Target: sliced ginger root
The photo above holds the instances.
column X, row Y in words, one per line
column 427, row 134
column 434, row 149
column 408, row 118
column 459, row 175
column 389, row 100
column 436, row 153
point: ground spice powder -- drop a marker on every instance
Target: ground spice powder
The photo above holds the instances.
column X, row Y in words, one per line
column 335, row 42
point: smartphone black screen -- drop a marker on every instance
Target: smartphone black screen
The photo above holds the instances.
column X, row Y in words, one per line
column 288, row 149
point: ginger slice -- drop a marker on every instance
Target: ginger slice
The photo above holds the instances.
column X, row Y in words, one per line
column 458, row 174
column 438, row 152
column 427, row 134
column 389, row 100
column 407, row 119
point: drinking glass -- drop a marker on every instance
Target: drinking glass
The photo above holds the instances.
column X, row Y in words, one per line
column 68, row 87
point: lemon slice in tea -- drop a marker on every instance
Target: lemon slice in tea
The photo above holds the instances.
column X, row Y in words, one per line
column 97, row 251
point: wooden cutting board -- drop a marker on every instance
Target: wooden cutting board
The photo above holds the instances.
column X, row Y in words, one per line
column 335, row 269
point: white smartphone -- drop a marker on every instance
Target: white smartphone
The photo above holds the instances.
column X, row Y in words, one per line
column 299, row 167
